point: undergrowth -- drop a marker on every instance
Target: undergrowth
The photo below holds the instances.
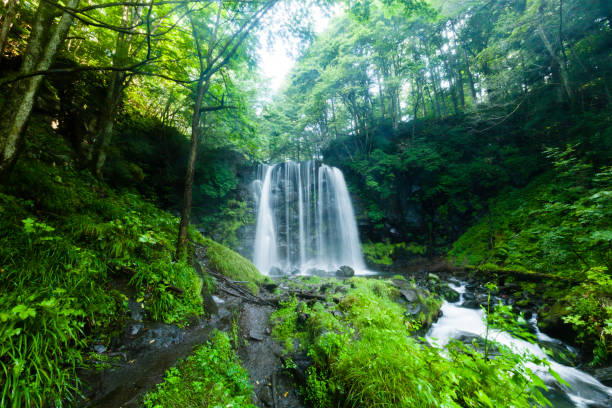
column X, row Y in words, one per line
column 364, row 353
column 560, row 224
column 72, row 252
column 210, row 377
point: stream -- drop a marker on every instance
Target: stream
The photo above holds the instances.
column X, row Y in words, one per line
column 460, row 323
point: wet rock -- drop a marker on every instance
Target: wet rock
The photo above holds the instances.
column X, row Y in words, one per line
column 411, row 295
column 559, row 352
column 604, row 375
column 99, row 348
column 136, row 310
column 345, row 272
column 255, row 335
column 265, row 396
column 133, row 329
column 317, row 272
column 449, row 294
column 275, row 271
column 551, row 322
column 471, row 304
column 413, row 309
column 158, row 335
column 433, row 278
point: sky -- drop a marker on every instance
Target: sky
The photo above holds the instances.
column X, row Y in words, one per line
column 275, row 58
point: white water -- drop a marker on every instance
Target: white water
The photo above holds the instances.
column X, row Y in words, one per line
column 305, row 220
column 457, row 322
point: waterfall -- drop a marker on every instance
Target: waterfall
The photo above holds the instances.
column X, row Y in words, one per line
column 305, row 220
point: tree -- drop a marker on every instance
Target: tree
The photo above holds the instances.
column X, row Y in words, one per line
column 226, row 28
column 46, row 36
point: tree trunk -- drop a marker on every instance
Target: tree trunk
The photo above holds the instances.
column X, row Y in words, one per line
column 7, row 24
column 181, row 248
column 470, row 76
column 44, row 42
column 113, row 97
column 565, row 82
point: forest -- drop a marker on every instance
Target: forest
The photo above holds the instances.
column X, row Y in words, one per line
column 420, row 215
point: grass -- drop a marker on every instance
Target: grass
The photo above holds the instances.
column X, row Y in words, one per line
column 210, row 377
column 233, row 265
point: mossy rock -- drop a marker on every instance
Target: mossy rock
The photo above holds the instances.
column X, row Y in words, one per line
column 551, row 321
column 233, row 265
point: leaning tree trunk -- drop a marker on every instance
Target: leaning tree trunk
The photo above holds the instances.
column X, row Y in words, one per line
column 45, row 39
column 107, row 120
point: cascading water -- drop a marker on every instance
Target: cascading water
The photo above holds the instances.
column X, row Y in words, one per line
column 461, row 323
column 305, row 220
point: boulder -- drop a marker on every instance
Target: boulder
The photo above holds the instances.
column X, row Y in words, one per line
column 411, row 295
column 345, row 272
column 275, row 271
column 449, row 294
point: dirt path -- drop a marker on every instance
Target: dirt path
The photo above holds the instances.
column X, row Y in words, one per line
column 156, row 347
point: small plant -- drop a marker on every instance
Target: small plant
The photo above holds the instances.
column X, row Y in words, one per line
column 210, row 377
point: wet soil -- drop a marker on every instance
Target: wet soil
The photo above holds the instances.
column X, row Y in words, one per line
column 148, row 349
column 262, row 357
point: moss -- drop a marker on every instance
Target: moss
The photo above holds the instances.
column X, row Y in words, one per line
column 233, row 265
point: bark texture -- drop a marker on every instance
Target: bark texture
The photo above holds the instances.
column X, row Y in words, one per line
column 47, row 35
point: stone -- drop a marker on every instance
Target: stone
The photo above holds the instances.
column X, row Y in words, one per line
column 413, row 309
column 265, row 396
column 99, row 348
column 255, row 335
column 604, row 375
column 433, row 278
column 275, row 271
column 410, row 295
column 345, row 272
column 449, row 294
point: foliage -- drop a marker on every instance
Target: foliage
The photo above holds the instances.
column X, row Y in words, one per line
column 210, row 377
column 590, row 312
column 73, row 251
column 559, row 225
column 363, row 353
column 41, row 336
column 233, row 265
column 384, row 253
